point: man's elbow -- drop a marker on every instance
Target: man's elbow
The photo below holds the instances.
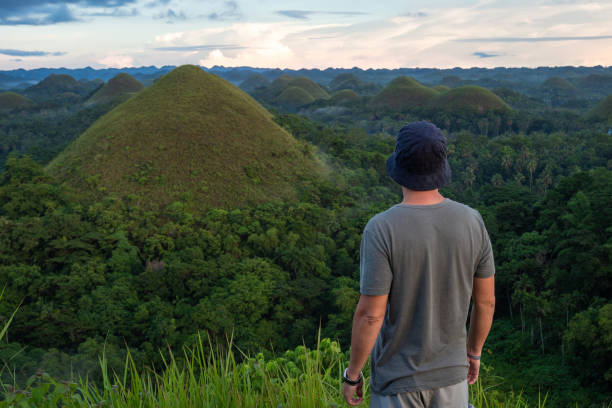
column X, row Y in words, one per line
column 370, row 318
column 486, row 304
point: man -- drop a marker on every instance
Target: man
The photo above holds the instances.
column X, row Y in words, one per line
column 421, row 262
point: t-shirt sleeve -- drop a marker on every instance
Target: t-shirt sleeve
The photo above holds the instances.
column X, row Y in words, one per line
column 486, row 265
column 375, row 266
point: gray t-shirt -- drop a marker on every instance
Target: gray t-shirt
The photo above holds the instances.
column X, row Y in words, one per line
column 425, row 258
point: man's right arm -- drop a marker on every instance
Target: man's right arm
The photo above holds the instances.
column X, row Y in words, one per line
column 481, row 318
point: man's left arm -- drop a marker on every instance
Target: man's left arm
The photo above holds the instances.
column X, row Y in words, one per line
column 367, row 321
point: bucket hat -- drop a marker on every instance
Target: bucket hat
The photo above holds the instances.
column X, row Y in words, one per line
column 420, row 158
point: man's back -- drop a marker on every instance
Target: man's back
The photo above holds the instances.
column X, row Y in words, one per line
column 425, row 258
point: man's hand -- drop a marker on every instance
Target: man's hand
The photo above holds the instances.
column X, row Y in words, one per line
column 350, row 391
column 473, row 370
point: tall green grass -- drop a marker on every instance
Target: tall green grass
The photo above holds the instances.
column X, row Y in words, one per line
column 206, row 376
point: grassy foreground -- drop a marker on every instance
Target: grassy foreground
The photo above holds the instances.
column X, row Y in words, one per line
column 205, row 378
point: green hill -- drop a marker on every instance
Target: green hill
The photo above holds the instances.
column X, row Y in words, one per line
column 254, row 82
column 279, row 84
column 294, row 97
column 403, row 94
column 603, row 111
column 345, row 96
column 190, row 135
column 53, row 86
column 351, row 81
column 10, row 101
column 470, row 98
column 309, row 86
column 441, row 88
column 117, row 89
column 557, row 84
column 345, row 81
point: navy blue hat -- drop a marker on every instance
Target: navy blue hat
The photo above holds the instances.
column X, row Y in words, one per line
column 419, row 161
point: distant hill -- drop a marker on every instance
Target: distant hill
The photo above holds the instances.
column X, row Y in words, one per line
column 279, row 84
column 603, row 111
column 345, row 96
column 403, row 94
column 309, row 86
column 61, row 88
column 557, row 83
column 596, row 82
column 294, row 97
column 191, row 135
column 117, row 89
column 441, row 88
column 470, row 98
column 52, row 86
column 11, row 101
column 519, row 101
column 254, row 82
column 353, row 82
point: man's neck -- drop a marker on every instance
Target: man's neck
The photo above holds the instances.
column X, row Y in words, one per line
column 428, row 197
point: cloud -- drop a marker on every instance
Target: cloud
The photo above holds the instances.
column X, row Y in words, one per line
column 116, row 12
column 536, row 39
column 117, row 61
column 418, row 14
column 191, row 48
column 305, row 14
column 22, row 53
column 481, row 54
column 170, row 15
column 51, row 14
column 47, row 12
column 231, row 12
column 157, row 3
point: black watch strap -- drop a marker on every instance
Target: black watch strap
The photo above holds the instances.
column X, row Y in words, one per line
column 349, row 381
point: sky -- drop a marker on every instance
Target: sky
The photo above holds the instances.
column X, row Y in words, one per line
column 305, row 34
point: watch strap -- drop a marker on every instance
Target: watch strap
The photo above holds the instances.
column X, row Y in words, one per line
column 349, row 381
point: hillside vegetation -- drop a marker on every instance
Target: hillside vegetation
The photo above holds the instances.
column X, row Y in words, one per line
column 117, row 89
column 603, row 111
column 193, row 135
column 470, row 98
column 12, row 101
column 402, row 94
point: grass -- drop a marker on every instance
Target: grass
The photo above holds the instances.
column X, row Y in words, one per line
column 205, row 376
column 188, row 122
column 13, row 101
column 470, row 98
column 119, row 87
column 403, row 94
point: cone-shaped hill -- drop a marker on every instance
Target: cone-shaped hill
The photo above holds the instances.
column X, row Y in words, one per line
column 294, row 97
column 117, row 89
column 596, row 82
column 190, row 135
column 309, row 86
column 403, row 94
column 346, row 81
column 603, row 111
column 54, row 85
column 10, row 101
column 345, row 97
column 557, row 84
column 254, row 82
column 441, row 88
column 279, row 84
column 470, row 98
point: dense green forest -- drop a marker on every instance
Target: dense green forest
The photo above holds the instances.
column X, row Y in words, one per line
column 117, row 273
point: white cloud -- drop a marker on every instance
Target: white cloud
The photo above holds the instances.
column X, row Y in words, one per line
column 117, row 61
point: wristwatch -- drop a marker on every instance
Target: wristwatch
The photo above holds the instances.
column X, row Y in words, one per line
column 349, row 381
